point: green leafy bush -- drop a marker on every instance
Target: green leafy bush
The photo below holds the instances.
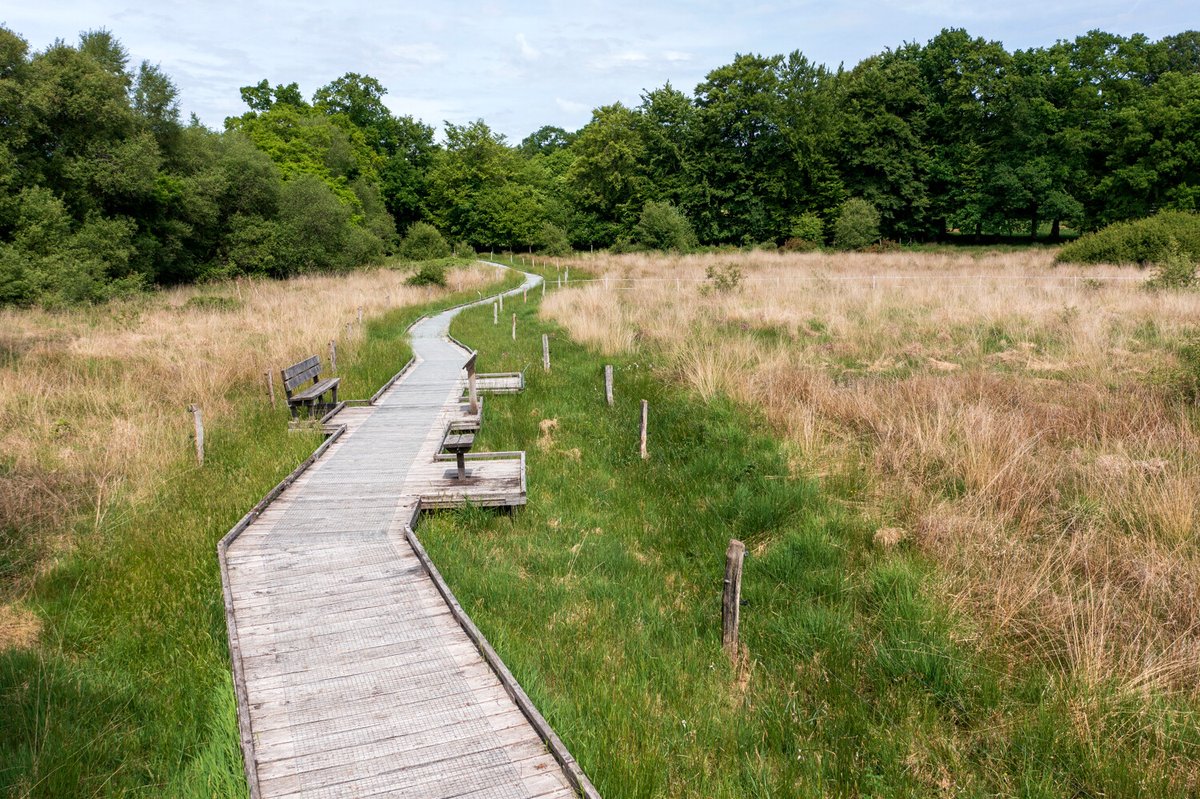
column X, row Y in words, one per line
column 807, row 231
column 430, row 273
column 857, row 225
column 1177, row 271
column 664, row 227
column 1140, row 241
column 553, row 240
column 423, row 242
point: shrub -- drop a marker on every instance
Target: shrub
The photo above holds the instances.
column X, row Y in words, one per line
column 807, row 228
column 430, row 273
column 857, row 225
column 722, row 279
column 422, row 242
column 553, row 240
column 1140, row 241
column 664, row 227
column 1177, row 271
column 799, row 245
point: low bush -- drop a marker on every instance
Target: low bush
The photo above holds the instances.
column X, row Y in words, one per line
column 430, row 273
column 423, row 242
column 1139, row 241
column 664, row 227
column 857, row 225
column 553, row 240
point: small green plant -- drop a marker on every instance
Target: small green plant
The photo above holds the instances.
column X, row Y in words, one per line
column 857, row 225
column 722, row 279
column 430, row 273
column 423, row 242
column 1177, row 270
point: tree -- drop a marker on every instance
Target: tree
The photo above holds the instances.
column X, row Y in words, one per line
column 663, row 227
column 857, row 225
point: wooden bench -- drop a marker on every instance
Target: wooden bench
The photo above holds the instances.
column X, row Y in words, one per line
column 459, row 442
column 299, row 373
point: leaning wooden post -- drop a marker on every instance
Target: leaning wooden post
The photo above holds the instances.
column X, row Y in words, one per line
column 543, row 288
column 545, row 353
column 198, row 432
column 645, row 418
column 332, row 355
column 501, row 300
column 270, row 386
column 495, row 314
column 525, row 295
column 608, row 383
column 514, row 327
column 731, row 600
column 473, row 396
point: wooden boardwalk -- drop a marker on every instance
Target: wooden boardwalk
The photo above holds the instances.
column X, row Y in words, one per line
column 357, row 673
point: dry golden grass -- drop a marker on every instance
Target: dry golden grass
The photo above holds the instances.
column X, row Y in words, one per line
column 92, row 401
column 1020, row 423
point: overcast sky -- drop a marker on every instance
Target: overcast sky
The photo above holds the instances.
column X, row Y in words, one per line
column 523, row 65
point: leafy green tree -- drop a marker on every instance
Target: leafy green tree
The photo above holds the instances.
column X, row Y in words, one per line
column 606, row 179
column 857, row 225
column 662, row 226
column 423, row 242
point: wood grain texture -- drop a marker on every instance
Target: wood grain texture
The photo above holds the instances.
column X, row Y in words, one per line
column 356, row 671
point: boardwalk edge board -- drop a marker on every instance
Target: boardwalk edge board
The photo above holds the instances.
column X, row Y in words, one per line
column 513, row 688
column 574, row 775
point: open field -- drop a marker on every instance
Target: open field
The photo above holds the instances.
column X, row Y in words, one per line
column 114, row 672
column 1032, row 429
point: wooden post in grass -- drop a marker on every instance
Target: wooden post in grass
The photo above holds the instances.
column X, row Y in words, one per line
column 514, row 327
column 645, row 419
column 731, row 599
column 525, row 295
column 543, row 288
column 608, row 383
column 495, row 314
column 567, row 275
column 545, row 353
column 360, row 314
column 500, row 299
column 270, row 386
column 473, row 396
column 197, row 433
column 332, row 355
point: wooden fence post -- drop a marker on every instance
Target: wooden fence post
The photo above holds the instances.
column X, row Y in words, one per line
column 501, row 301
column 495, row 314
column 270, row 386
column 198, row 432
column 525, row 295
column 731, row 599
column 543, row 288
column 360, row 314
column 545, row 353
column 608, row 383
column 645, row 419
column 332, row 355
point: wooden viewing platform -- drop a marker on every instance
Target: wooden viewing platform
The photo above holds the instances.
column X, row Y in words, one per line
column 357, row 673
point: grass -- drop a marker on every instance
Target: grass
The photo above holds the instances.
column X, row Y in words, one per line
column 861, row 674
column 123, row 687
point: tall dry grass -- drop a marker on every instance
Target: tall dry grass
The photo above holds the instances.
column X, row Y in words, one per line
column 1023, row 424
column 92, row 401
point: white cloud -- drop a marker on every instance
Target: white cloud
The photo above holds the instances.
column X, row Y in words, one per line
column 676, row 56
column 527, row 50
column 571, row 106
column 420, row 54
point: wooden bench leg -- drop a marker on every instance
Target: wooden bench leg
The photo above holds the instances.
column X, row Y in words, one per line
column 462, row 464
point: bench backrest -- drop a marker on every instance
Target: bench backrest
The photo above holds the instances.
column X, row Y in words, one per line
column 298, row 373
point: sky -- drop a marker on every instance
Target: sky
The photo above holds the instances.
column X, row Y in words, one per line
column 520, row 66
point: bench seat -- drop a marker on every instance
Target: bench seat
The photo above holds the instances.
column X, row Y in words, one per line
column 315, row 391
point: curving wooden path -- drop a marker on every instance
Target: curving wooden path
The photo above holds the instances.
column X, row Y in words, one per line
column 357, row 673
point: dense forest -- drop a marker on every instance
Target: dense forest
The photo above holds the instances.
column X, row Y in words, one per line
column 105, row 189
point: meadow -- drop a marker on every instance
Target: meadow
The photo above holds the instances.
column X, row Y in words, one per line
column 114, row 670
column 966, row 481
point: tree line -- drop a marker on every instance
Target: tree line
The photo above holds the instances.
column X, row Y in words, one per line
column 104, row 188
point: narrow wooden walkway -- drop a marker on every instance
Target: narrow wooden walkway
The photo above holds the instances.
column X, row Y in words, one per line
column 357, row 673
